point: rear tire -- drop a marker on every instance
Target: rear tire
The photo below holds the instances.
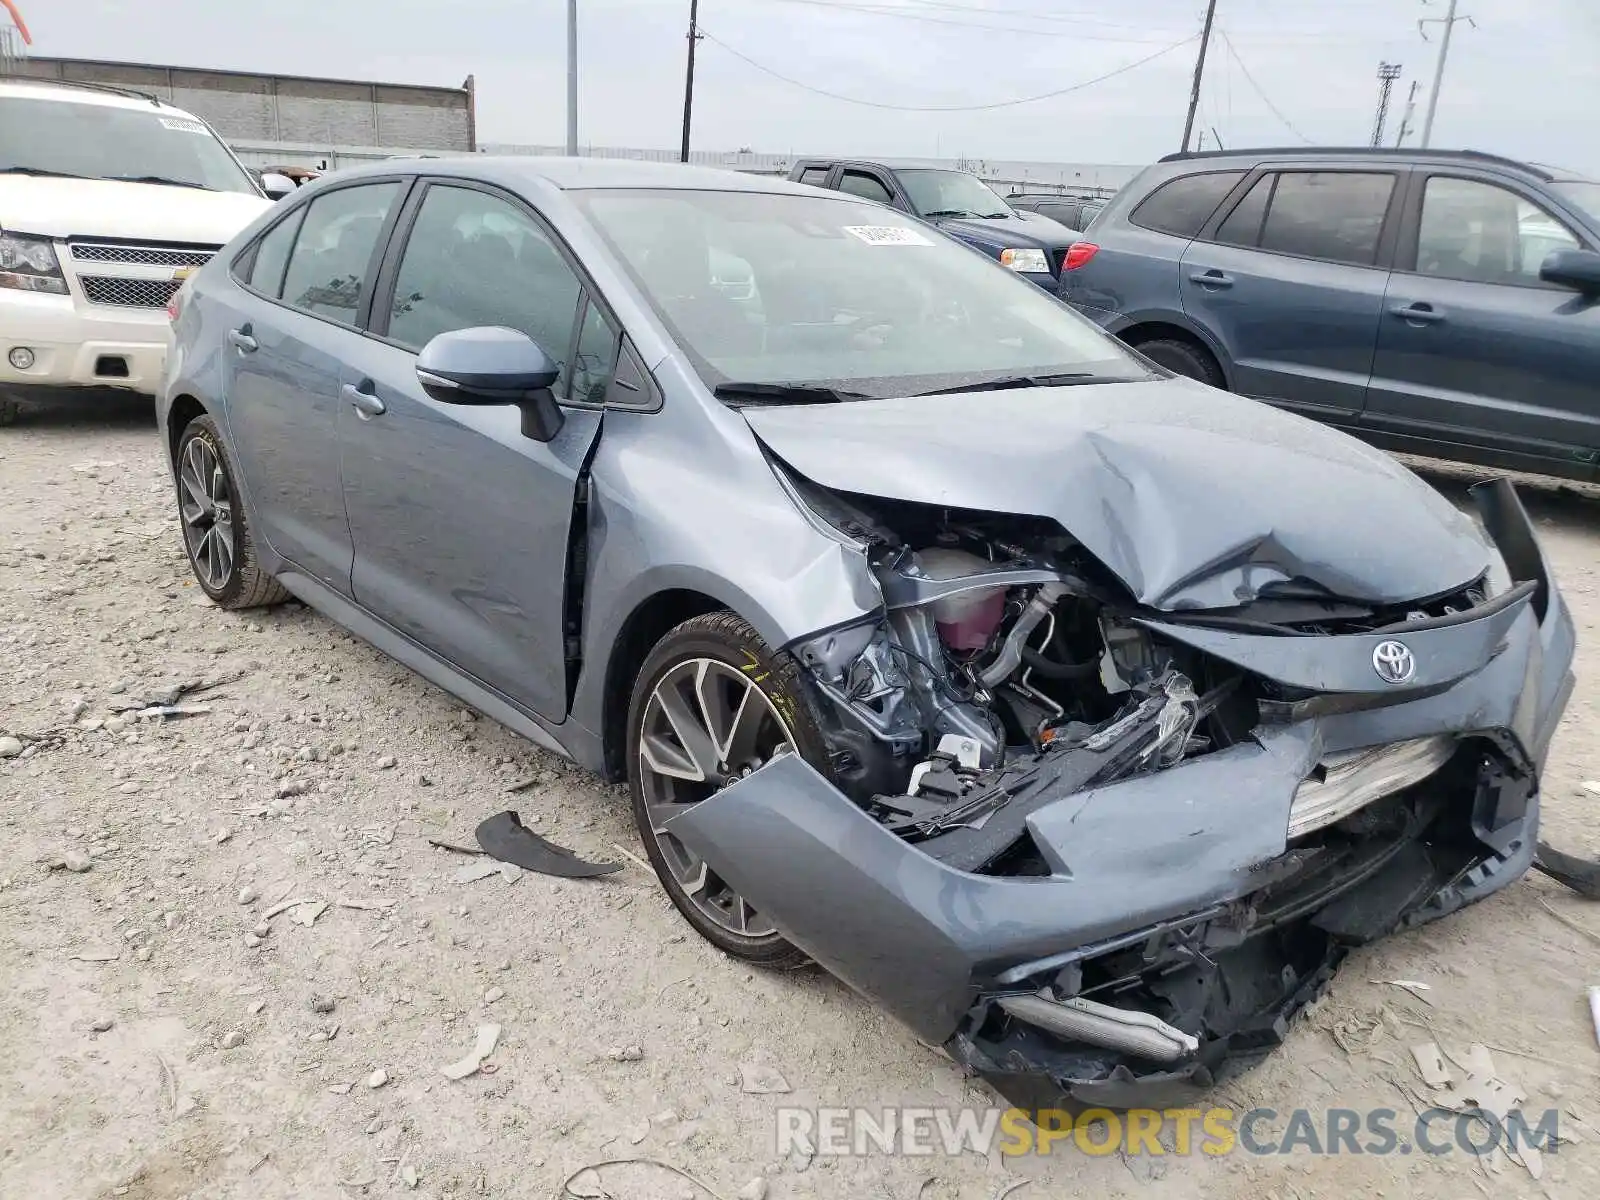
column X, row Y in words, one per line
column 721, row 656
column 216, row 530
column 1184, row 358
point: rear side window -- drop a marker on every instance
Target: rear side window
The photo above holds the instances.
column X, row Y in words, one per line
column 1243, row 226
column 1332, row 215
column 333, row 253
column 1183, row 206
column 815, row 176
column 272, row 254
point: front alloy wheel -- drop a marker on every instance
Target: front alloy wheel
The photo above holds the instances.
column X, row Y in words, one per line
column 712, row 704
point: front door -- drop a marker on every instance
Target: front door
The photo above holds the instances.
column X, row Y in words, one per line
column 460, row 522
column 284, row 346
column 1474, row 346
column 1291, row 282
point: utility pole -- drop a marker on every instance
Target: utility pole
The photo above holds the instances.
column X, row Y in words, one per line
column 1387, row 74
column 688, row 83
column 1449, row 22
column 1405, row 118
column 1199, row 70
column 572, row 78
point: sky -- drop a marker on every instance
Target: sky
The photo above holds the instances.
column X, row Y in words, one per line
column 1279, row 72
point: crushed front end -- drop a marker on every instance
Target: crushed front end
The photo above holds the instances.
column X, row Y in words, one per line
column 1106, row 852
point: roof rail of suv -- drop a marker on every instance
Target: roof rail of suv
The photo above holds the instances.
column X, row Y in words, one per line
column 131, row 93
column 1366, row 151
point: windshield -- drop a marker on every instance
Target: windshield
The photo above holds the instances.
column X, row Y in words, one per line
column 771, row 288
column 98, row 141
column 950, row 194
column 1585, row 193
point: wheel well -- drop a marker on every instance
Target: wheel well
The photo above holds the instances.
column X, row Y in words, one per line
column 184, row 409
column 1150, row 331
column 645, row 626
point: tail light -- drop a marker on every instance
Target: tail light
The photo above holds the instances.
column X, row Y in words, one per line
column 1077, row 254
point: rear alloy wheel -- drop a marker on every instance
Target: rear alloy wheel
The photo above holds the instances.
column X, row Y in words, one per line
column 711, row 705
column 1183, row 358
column 216, row 534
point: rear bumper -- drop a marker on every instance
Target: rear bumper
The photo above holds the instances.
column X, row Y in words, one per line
column 76, row 345
column 1178, row 892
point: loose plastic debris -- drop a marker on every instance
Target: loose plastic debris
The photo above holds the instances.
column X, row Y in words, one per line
column 488, row 1038
column 505, row 837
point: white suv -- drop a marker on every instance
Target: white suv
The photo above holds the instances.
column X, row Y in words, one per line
column 108, row 200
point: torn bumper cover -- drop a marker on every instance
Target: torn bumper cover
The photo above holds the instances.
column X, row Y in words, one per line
column 1183, row 915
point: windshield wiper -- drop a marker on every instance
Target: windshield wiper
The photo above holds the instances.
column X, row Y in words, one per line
column 784, row 393
column 949, row 212
column 188, row 183
column 1068, row 379
column 41, row 171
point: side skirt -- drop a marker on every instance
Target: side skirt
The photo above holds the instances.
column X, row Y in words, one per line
column 436, row 671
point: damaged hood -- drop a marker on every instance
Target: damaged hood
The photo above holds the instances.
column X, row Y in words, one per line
column 1192, row 497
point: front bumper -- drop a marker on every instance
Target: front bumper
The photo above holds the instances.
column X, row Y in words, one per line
column 77, row 345
column 1178, row 892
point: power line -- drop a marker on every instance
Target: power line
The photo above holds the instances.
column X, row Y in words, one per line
column 901, row 14
column 766, row 70
column 1256, row 87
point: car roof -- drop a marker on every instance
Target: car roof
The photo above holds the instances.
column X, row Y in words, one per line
column 71, row 91
column 1374, row 153
column 571, row 174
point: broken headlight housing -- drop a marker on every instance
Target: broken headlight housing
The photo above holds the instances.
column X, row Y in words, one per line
column 29, row 265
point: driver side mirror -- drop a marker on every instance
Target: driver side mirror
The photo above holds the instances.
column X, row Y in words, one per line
column 276, row 186
column 1576, row 269
column 493, row 365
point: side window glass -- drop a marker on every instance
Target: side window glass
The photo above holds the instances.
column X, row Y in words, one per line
column 859, row 183
column 596, row 357
column 1333, row 215
column 272, row 254
column 1243, row 224
column 1067, row 214
column 815, row 176
column 334, row 250
column 1183, row 206
column 1485, row 234
column 474, row 259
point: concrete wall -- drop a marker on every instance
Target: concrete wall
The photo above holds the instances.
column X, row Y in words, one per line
column 292, row 109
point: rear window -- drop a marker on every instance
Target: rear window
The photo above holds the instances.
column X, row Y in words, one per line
column 1182, row 206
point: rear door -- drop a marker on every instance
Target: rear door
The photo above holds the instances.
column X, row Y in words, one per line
column 311, row 277
column 1290, row 281
column 1474, row 346
column 461, row 522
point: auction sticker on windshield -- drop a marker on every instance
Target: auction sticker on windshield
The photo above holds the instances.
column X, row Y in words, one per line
column 180, row 124
column 887, row 235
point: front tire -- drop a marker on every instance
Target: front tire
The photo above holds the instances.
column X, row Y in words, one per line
column 711, row 703
column 216, row 532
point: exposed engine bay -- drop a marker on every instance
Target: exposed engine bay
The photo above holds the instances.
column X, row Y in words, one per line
column 1003, row 643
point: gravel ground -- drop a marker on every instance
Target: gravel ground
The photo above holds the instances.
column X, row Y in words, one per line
column 166, row 1035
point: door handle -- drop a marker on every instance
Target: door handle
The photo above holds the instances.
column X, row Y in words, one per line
column 364, row 402
column 1420, row 313
column 1211, row 279
column 242, row 341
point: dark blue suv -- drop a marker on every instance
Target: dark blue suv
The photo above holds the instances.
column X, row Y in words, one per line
column 1439, row 302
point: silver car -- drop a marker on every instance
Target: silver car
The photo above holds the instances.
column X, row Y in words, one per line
column 1080, row 715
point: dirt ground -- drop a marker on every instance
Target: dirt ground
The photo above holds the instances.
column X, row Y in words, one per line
column 322, row 771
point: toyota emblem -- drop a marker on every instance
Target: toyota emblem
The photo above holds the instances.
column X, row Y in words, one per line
column 1394, row 662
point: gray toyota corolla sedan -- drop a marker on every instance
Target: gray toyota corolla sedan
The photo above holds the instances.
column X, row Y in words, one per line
column 1081, row 716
